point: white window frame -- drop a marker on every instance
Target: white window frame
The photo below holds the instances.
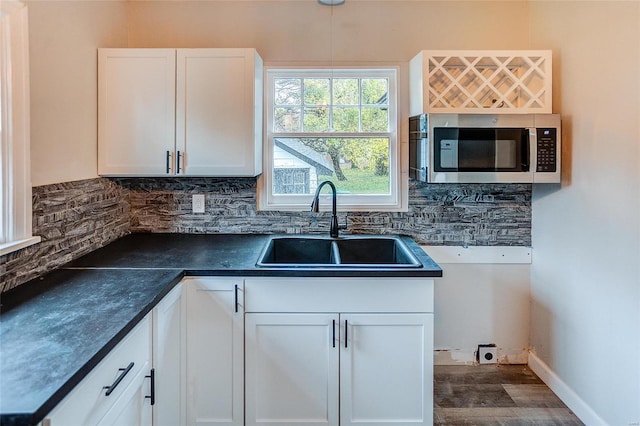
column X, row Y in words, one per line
column 15, row 170
column 394, row 201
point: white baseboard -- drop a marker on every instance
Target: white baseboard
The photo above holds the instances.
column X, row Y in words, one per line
column 564, row 392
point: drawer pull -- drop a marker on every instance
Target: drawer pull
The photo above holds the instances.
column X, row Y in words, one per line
column 334, row 333
column 123, row 373
column 346, row 330
column 152, row 377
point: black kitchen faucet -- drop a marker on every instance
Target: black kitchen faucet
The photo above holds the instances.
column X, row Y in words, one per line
column 315, row 208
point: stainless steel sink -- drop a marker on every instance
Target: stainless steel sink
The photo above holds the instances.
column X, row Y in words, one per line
column 344, row 252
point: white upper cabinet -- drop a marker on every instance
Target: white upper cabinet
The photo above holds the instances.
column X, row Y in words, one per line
column 136, row 111
column 219, row 112
column 480, row 82
column 195, row 112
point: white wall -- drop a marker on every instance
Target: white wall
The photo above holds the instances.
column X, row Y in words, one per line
column 65, row 35
column 586, row 235
column 483, row 297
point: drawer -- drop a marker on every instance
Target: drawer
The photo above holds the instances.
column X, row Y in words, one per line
column 88, row 403
column 300, row 294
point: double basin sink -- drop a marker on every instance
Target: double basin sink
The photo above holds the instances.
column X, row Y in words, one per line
column 346, row 252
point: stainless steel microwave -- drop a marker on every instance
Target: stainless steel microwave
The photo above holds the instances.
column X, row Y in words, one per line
column 480, row 148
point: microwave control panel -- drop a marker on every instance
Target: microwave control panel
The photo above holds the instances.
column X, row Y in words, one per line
column 546, row 150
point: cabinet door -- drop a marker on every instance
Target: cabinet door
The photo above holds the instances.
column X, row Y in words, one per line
column 125, row 368
column 167, row 355
column 132, row 408
column 136, row 111
column 386, row 369
column 292, row 369
column 219, row 112
column 215, row 351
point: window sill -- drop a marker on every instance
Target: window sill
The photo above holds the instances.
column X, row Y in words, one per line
column 341, row 208
column 7, row 248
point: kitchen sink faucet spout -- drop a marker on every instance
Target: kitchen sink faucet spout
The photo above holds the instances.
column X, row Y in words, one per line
column 315, row 208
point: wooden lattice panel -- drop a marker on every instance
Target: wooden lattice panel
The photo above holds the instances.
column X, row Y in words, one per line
column 497, row 81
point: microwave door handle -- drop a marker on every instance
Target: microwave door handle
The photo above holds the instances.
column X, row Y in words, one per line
column 533, row 148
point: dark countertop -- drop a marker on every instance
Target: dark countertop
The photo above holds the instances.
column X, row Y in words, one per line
column 55, row 329
column 225, row 254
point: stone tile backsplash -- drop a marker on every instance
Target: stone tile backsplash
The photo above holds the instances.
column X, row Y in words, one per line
column 74, row 218
column 448, row 214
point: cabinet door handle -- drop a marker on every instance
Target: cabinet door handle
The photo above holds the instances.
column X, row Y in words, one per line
column 178, row 157
column 123, row 373
column 346, row 331
column 168, row 162
column 152, row 376
column 236, row 297
column 334, row 333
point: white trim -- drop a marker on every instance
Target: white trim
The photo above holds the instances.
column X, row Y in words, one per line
column 479, row 254
column 396, row 200
column 18, row 245
column 15, row 181
column 571, row 399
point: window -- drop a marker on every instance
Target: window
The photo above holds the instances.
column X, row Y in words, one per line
column 15, row 179
column 338, row 125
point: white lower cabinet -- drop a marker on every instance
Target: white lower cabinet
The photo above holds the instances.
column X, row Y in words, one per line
column 292, row 369
column 386, row 369
column 152, row 349
column 168, row 345
column 214, row 351
column 133, row 407
column 115, row 392
column 304, row 366
column 277, row 351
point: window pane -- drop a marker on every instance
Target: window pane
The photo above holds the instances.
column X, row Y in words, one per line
column 345, row 91
column 345, row 119
column 316, row 119
column 286, row 119
column 288, row 91
column 374, row 91
column 316, row 91
column 291, row 181
column 355, row 165
column 375, row 119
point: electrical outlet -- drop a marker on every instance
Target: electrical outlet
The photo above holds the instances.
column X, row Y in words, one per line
column 487, row 354
column 197, row 203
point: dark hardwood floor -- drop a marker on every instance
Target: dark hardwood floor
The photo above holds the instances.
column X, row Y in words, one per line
column 486, row 395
